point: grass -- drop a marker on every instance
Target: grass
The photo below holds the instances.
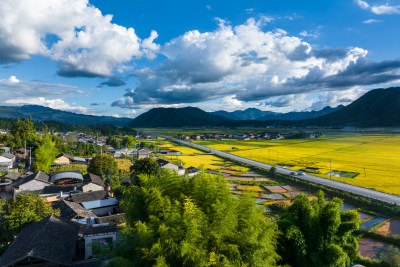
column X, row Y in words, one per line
column 368, row 160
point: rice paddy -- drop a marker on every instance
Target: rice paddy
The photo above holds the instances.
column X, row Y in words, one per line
column 367, row 160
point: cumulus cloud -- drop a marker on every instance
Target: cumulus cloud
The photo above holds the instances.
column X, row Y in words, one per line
column 285, row 101
column 336, row 98
column 75, row 33
column 13, row 79
column 251, row 64
column 379, row 9
column 17, row 92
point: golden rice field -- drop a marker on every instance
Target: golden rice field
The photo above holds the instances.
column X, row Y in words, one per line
column 197, row 158
column 376, row 157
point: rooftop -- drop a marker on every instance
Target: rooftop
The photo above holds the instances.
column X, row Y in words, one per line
column 52, row 239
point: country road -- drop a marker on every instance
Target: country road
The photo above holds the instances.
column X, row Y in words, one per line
column 311, row 178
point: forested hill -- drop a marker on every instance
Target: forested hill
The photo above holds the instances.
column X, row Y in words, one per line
column 40, row 113
column 179, row 117
column 377, row 108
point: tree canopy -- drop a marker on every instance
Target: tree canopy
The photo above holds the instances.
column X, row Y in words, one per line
column 45, row 154
column 146, row 166
column 102, row 165
column 316, row 233
column 25, row 209
column 193, row 221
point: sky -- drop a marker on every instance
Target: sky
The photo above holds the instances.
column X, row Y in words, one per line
column 122, row 58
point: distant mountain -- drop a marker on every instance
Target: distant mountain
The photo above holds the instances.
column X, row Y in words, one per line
column 256, row 114
column 247, row 114
column 303, row 115
column 377, row 108
column 179, row 117
column 40, row 113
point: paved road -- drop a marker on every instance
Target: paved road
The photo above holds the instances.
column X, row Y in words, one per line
column 311, row 178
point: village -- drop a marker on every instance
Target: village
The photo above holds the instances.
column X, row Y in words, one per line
column 89, row 203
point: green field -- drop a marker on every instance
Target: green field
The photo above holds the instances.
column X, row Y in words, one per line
column 371, row 160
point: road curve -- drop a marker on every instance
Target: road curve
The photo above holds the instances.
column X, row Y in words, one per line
column 311, row 178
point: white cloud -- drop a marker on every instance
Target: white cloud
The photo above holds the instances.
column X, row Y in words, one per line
column 379, row 9
column 13, row 79
column 75, row 33
column 286, row 101
column 244, row 61
column 336, row 98
column 369, row 21
column 51, row 103
column 19, row 92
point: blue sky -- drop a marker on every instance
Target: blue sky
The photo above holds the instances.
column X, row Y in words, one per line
column 272, row 55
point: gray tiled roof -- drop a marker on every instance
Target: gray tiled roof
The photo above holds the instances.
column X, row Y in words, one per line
column 52, row 239
column 7, row 155
column 71, row 210
column 89, row 196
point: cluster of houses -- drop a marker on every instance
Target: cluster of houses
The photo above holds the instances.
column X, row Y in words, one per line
column 89, row 213
column 250, row 136
column 83, row 137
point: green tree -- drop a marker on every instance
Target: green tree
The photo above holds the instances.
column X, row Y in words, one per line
column 272, row 171
column 129, row 141
column 45, row 154
column 24, row 210
column 102, row 165
column 113, row 141
column 22, row 130
column 195, row 221
column 316, row 233
column 146, row 166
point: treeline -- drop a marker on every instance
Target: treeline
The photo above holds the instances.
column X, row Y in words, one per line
column 55, row 126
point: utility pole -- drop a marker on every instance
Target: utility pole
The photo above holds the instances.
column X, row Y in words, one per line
column 30, row 157
column 330, row 168
column 269, row 156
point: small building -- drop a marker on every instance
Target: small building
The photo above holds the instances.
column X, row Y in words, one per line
column 71, row 210
column 102, row 207
column 7, row 160
column 34, row 182
column 143, row 153
column 164, row 164
column 49, row 242
column 22, row 153
column 104, row 231
column 65, row 159
column 192, row 171
column 89, row 183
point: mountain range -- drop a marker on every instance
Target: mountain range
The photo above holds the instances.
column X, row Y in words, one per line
column 256, row 114
column 376, row 108
column 40, row 113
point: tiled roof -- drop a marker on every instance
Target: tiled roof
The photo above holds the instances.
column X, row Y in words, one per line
column 52, row 239
column 71, row 210
column 89, row 196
